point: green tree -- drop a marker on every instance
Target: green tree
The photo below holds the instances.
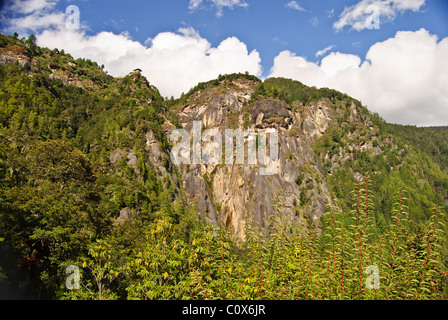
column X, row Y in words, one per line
column 31, row 44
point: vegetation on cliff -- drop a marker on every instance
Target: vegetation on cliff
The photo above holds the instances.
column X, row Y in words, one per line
column 77, row 187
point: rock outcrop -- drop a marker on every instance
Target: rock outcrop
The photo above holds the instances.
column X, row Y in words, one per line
column 11, row 54
column 317, row 118
column 232, row 194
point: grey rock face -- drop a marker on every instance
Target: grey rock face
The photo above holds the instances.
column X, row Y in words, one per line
column 231, row 195
column 125, row 215
column 270, row 114
column 131, row 158
column 10, row 57
column 318, row 117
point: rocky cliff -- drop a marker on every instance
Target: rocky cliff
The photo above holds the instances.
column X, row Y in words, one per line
column 327, row 142
column 228, row 193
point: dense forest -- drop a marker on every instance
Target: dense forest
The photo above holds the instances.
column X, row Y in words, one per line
column 64, row 189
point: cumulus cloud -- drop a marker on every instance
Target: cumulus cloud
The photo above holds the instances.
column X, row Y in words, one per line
column 294, row 5
column 22, row 15
column 358, row 16
column 218, row 4
column 174, row 61
column 29, row 6
column 404, row 78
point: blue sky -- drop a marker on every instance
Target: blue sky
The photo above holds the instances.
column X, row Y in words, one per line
column 322, row 43
column 268, row 26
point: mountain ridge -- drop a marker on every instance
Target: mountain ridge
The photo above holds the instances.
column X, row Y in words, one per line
column 114, row 134
column 297, row 96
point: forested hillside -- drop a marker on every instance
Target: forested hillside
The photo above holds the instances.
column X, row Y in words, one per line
column 433, row 141
column 86, row 180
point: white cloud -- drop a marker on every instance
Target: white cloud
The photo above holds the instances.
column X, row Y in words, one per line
column 324, row 51
column 29, row 6
column 194, row 4
column 358, row 15
column 173, row 62
column 288, row 65
column 282, row 42
column 30, row 14
column 219, row 4
column 36, row 21
column 294, row 5
column 404, row 78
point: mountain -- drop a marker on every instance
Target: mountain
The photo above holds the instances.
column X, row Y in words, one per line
column 226, row 193
column 87, row 178
column 327, row 141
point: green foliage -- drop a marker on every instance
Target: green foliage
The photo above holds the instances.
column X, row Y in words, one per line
column 74, row 159
column 59, row 191
column 227, row 79
column 31, row 44
column 286, row 262
column 292, row 90
column 432, row 141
